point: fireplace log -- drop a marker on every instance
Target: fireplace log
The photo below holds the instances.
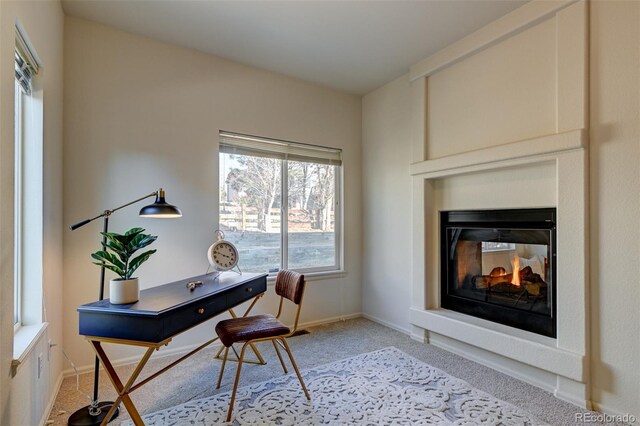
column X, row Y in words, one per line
column 504, row 281
column 498, row 271
column 486, row 281
column 481, row 281
column 533, row 289
column 506, row 287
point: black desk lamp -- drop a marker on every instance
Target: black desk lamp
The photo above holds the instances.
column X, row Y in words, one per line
column 94, row 413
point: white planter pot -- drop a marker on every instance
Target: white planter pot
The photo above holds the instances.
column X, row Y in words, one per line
column 123, row 291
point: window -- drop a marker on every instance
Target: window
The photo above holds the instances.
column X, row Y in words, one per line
column 28, row 188
column 279, row 203
column 17, row 200
column 488, row 246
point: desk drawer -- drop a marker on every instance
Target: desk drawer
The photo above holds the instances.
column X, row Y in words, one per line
column 145, row 329
column 193, row 315
column 246, row 291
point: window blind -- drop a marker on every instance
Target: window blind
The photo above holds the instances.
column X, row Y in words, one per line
column 27, row 63
column 24, row 73
column 239, row 144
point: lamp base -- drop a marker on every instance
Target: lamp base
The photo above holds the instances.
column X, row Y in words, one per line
column 82, row 417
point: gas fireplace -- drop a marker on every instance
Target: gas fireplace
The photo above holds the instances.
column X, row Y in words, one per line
column 499, row 265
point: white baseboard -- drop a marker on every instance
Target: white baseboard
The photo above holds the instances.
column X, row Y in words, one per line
column 181, row 350
column 52, row 400
column 418, row 338
column 387, row 324
column 330, row 320
column 580, row 402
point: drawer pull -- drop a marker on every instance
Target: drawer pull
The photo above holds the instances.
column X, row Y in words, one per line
column 249, row 289
column 201, row 311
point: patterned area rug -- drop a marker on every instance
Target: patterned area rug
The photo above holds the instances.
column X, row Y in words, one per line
column 384, row 387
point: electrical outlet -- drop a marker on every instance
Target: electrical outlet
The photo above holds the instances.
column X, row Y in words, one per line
column 40, row 365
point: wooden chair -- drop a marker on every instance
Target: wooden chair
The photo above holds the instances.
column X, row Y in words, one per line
column 258, row 328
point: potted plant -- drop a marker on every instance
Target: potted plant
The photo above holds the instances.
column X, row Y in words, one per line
column 116, row 256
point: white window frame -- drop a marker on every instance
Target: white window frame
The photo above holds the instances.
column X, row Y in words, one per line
column 28, row 193
column 18, row 192
column 284, row 222
column 337, row 267
column 486, row 248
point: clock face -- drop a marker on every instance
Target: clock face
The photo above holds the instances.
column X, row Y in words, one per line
column 223, row 255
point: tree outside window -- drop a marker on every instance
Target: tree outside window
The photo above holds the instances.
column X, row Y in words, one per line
column 280, row 213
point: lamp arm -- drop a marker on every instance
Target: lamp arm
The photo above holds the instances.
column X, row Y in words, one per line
column 153, row 194
column 107, row 213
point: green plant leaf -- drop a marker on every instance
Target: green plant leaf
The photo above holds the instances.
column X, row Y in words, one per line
column 134, row 231
column 108, row 257
column 114, row 245
column 113, row 240
column 116, row 239
column 118, row 249
column 113, row 236
column 101, row 256
column 122, row 253
column 115, row 269
column 138, row 261
column 140, row 241
column 131, row 234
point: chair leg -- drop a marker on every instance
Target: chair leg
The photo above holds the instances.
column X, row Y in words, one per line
column 295, row 367
column 235, row 384
column 224, row 362
column 275, row 345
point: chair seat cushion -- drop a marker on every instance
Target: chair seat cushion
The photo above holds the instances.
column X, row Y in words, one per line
column 248, row 328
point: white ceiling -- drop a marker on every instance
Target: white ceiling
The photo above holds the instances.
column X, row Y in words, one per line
column 353, row 46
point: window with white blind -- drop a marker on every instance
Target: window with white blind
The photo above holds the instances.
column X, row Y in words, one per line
column 19, row 95
column 279, row 203
column 28, row 187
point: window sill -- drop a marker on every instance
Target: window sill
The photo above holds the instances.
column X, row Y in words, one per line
column 24, row 340
column 314, row 276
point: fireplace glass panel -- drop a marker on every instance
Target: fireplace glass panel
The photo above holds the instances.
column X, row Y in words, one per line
column 485, row 267
column 500, row 265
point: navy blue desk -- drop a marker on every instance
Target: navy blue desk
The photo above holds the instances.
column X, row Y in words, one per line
column 170, row 309
column 162, row 313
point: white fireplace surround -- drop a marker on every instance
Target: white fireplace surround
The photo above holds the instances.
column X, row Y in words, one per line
column 559, row 161
column 562, row 360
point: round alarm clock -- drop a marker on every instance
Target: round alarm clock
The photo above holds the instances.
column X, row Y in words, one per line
column 222, row 254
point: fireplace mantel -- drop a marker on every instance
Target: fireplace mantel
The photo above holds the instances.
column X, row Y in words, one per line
column 506, row 155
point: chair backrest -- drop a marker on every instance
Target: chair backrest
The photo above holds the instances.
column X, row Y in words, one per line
column 290, row 284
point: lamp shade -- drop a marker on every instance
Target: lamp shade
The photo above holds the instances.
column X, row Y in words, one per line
column 160, row 208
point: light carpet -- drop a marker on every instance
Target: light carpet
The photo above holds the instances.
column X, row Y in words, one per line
column 386, row 386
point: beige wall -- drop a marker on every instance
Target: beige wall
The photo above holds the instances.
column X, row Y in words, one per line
column 140, row 114
column 614, row 200
column 615, row 205
column 523, row 95
column 386, row 183
column 23, row 399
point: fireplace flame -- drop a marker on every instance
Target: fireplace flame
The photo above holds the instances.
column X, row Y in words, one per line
column 515, row 278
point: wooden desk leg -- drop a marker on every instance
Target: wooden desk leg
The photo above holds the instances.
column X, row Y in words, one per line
column 123, row 390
